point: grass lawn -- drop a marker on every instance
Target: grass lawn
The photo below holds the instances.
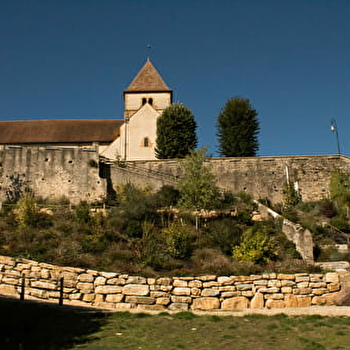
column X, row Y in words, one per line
column 27, row 325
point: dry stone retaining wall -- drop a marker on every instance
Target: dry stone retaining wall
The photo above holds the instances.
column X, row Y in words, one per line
column 208, row 293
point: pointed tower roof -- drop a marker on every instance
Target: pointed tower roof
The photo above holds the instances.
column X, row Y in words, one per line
column 147, row 80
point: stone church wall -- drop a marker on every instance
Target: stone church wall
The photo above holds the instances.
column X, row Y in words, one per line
column 51, row 172
column 75, row 286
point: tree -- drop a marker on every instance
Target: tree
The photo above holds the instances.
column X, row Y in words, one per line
column 176, row 132
column 238, row 128
column 197, row 189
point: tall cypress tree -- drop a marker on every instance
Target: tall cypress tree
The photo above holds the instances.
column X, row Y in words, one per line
column 176, row 132
column 238, row 128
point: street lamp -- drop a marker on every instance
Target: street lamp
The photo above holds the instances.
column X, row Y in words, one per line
column 334, row 128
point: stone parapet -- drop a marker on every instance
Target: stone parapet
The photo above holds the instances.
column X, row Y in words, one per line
column 32, row 280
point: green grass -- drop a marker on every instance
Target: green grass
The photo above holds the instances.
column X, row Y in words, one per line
column 29, row 325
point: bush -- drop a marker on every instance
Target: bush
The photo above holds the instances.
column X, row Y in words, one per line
column 178, row 240
column 256, row 246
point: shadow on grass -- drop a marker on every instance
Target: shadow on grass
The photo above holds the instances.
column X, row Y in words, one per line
column 31, row 325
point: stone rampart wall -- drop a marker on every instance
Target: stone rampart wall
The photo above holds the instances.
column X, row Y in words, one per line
column 208, row 293
column 262, row 177
column 52, row 172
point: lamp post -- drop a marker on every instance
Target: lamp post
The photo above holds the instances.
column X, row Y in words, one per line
column 334, row 128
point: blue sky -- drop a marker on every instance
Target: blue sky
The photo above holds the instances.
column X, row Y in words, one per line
column 73, row 58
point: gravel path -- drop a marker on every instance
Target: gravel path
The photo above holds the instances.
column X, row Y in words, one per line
column 329, row 311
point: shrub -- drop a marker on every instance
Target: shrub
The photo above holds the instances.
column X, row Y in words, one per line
column 178, row 240
column 256, row 246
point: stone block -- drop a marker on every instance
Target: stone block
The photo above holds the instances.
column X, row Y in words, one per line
column 8, row 289
column 163, row 301
column 207, row 278
column 209, row 293
column 270, row 290
column 89, row 297
column 331, row 277
column 274, row 296
column 76, row 296
column 134, row 299
column 283, row 276
column 287, row 290
column 319, row 300
column 178, row 307
column 85, row 277
column 287, row 283
column 196, row 292
column 303, row 301
column 303, row 291
column 260, row 283
column 165, row 281
column 257, row 301
column 275, row 304
column 136, row 289
column 104, row 305
column 45, row 274
column 230, row 294
column 244, row 286
column 115, row 281
column 317, row 285
column 206, row 304
column 210, row 284
column 195, row 284
column 44, row 285
column 333, row 287
column 180, row 283
column 177, row 299
column 235, row 304
column 291, row 300
column 108, row 274
column 100, row 281
column 151, row 307
column 159, row 294
column 114, row 298
column 227, row 289
column 108, row 289
column 181, row 291
column 224, row 280
column 302, row 277
column 274, row 283
column 136, row 280
column 124, row 306
column 319, row 291
column 85, row 287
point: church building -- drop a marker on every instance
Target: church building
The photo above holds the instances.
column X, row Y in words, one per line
column 130, row 138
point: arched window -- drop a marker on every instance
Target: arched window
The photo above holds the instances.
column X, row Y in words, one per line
column 150, row 101
column 144, row 101
column 146, row 142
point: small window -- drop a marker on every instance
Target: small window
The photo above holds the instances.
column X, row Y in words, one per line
column 150, row 101
column 146, row 142
column 144, row 101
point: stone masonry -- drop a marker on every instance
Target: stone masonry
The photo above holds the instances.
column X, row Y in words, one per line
column 113, row 290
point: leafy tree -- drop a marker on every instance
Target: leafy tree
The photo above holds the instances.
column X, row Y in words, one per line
column 238, row 128
column 197, row 189
column 176, row 132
